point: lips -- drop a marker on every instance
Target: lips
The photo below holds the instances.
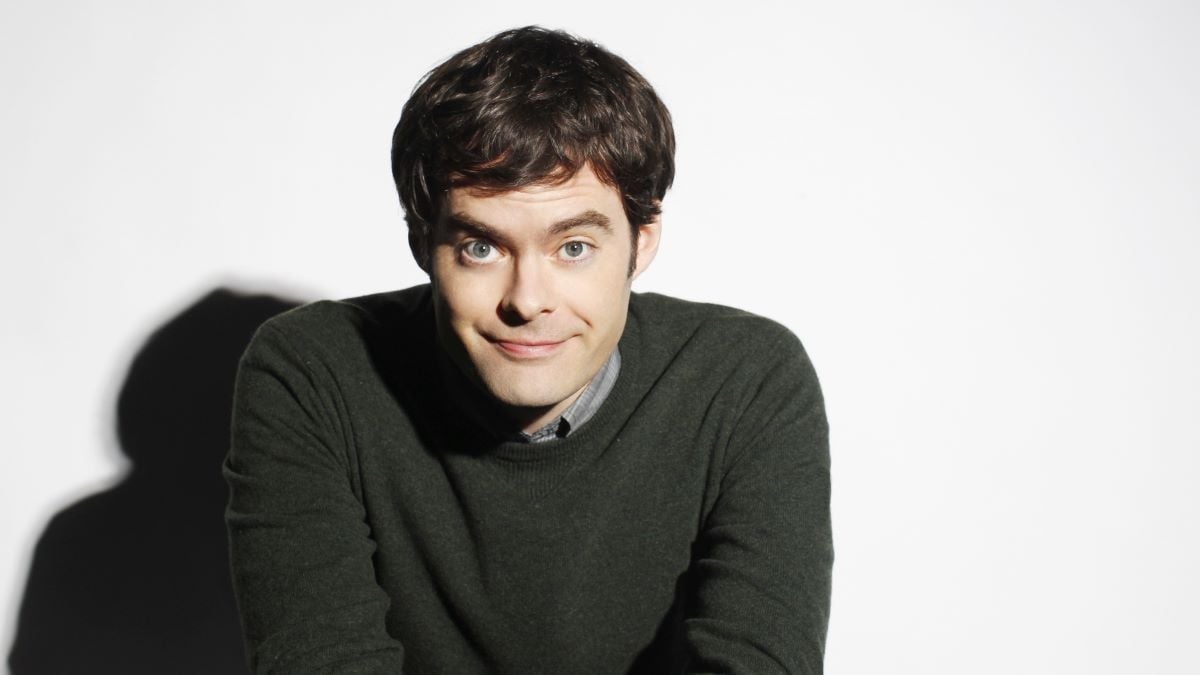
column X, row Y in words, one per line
column 528, row 349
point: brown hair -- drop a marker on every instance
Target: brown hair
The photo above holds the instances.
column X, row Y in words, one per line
column 524, row 107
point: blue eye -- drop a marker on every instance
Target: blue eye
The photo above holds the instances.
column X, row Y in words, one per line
column 576, row 249
column 479, row 249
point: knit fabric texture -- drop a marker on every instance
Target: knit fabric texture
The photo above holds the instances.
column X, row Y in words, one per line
column 684, row 528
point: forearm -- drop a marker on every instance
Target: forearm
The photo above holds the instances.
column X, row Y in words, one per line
column 300, row 549
column 763, row 564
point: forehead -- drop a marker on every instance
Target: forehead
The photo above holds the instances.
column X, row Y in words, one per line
column 540, row 203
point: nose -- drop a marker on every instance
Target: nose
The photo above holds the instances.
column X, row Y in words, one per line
column 530, row 292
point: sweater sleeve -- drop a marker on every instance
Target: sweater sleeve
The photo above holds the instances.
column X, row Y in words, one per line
column 765, row 553
column 300, row 548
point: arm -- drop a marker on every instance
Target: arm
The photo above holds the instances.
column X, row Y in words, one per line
column 299, row 546
column 764, row 557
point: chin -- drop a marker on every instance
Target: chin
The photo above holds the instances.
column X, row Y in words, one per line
column 526, row 390
column 526, row 397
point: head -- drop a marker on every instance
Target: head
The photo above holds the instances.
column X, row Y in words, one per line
column 532, row 168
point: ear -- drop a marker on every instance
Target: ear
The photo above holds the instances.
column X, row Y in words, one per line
column 647, row 245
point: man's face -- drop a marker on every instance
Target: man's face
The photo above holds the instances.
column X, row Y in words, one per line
column 531, row 289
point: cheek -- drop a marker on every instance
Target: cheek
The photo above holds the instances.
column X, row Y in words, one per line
column 464, row 298
column 599, row 300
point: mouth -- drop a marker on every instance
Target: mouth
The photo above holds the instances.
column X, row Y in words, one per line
column 528, row 349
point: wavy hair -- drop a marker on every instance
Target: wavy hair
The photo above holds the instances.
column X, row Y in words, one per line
column 530, row 106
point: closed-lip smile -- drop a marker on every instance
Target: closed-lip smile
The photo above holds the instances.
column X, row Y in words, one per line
column 527, row 349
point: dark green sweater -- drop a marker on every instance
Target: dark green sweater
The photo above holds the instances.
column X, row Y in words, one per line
column 684, row 528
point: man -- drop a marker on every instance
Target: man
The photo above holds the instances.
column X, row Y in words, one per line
column 522, row 467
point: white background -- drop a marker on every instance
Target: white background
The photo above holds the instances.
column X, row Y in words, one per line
column 982, row 218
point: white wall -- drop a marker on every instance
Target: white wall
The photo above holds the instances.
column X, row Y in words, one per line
column 982, row 218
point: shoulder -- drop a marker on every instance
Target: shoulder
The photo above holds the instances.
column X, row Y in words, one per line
column 352, row 337
column 744, row 374
column 334, row 321
column 714, row 351
column 715, row 330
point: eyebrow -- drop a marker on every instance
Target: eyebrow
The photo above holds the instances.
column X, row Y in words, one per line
column 589, row 218
column 465, row 223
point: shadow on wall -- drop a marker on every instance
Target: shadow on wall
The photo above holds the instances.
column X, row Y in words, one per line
column 135, row 579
